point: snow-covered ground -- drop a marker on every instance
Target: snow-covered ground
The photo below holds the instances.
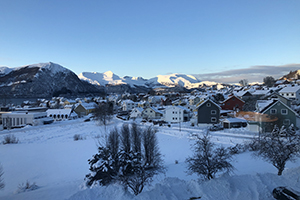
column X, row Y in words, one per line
column 49, row 156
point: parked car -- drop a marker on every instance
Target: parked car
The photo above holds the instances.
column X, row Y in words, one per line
column 286, row 193
column 216, row 127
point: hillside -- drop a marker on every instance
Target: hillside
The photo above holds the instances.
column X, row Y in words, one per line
column 292, row 75
column 42, row 80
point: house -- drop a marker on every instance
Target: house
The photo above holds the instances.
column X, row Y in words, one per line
column 136, row 112
column 193, row 100
column 175, row 114
column 128, row 105
column 208, row 112
column 69, row 102
column 276, row 95
column 244, row 94
column 274, row 112
column 152, row 113
column 20, row 119
column 233, row 103
column 292, row 93
column 83, row 109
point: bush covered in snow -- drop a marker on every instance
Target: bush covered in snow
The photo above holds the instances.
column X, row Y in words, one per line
column 10, row 139
column 25, row 187
column 77, row 137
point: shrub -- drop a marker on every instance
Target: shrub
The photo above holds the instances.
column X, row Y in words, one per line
column 77, row 137
column 10, row 139
column 25, row 187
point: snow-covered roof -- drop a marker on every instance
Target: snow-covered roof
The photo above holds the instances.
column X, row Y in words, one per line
column 156, row 110
column 209, row 101
column 138, row 109
column 262, row 104
column 58, row 111
column 290, row 89
column 234, row 120
column 88, row 106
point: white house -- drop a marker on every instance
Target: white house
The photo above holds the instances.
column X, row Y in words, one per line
column 21, row 119
column 292, row 93
column 175, row 114
column 136, row 112
column 128, row 105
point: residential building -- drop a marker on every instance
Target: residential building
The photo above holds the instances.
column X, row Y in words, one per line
column 152, row 113
column 292, row 93
column 83, row 109
column 233, row 103
column 175, row 114
column 208, row 112
column 274, row 112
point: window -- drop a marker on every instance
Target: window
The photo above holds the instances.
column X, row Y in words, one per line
column 273, row 111
column 213, row 112
column 213, row 119
column 208, row 104
column 284, row 111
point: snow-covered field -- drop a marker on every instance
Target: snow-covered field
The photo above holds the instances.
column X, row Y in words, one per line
column 49, row 156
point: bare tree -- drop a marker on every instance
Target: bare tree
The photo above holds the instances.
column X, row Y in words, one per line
column 278, row 147
column 244, row 82
column 1, row 179
column 136, row 138
column 125, row 138
column 207, row 161
column 103, row 114
column 269, row 81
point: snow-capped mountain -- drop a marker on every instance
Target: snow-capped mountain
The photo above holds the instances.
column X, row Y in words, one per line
column 109, row 78
column 171, row 80
column 43, row 79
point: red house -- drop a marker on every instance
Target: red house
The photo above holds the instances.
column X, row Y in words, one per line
column 233, row 103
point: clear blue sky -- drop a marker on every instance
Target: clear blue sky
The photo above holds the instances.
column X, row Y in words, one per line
column 147, row 38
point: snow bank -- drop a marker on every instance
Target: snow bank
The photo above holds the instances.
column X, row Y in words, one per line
column 246, row 187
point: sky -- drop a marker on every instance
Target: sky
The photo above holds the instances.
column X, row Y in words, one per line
column 217, row 40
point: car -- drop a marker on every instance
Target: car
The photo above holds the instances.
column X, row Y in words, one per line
column 286, row 193
column 216, row 127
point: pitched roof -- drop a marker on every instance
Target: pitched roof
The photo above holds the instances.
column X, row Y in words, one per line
column 87, row 106
column 275, row 102
column 232, row 97
column 290, row 89
column 209, row 101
